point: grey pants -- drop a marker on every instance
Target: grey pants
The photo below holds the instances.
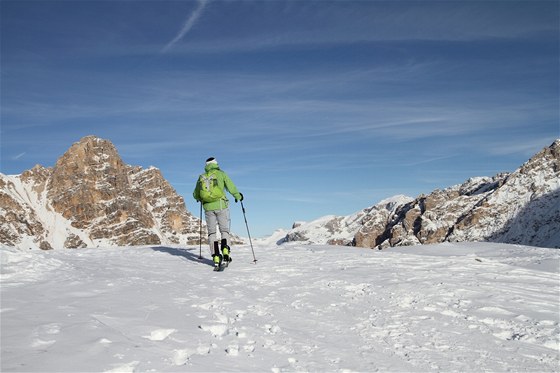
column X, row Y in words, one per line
column 222, row 220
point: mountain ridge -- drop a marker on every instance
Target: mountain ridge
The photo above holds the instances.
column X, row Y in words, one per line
column 521, row 207
column 91, row 198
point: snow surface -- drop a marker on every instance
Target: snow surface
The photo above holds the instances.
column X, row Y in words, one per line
column 447, row 307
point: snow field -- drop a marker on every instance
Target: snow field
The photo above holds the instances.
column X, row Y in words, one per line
column 447, row 307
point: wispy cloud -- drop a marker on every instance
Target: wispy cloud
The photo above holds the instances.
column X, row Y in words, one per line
column 16, row 157
column 318, row 23
column 527, row 148
column 188, row 25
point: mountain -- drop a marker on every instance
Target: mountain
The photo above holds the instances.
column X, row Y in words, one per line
column 522, row 207
column 92, row 198
column 341, row 230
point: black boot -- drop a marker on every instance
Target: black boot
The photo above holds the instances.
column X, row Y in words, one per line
column 226, row 250
column 217, row 257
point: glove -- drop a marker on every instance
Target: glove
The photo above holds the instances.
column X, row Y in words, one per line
column 240, row 197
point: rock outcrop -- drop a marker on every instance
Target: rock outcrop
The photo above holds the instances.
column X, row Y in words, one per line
column 522, row 207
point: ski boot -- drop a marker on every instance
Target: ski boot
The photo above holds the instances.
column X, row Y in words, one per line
column 217, row 257
column 226, row 250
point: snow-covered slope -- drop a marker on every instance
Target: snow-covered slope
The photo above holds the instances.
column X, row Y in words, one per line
column 448, row 307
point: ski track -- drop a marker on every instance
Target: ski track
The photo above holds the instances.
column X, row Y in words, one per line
column 300, row 308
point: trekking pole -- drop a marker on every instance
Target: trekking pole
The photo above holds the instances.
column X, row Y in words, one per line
column 249, row 234
column 200, row 235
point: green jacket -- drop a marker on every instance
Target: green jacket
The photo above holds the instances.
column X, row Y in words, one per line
column 223, row 182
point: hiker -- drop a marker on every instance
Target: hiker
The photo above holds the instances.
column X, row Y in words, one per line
column 210, row 190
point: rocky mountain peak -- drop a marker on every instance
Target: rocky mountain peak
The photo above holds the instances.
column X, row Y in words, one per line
column 90, row 198
column 87, row 177
column 90, row 153
column 92, row 164
column 547, row 159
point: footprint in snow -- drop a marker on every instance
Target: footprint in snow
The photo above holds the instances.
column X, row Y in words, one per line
column 232, row 350
column 217, row 330
column 50, row 329
column 43, row 335
column 272, row 329
column 123, row 368
column 160, row 334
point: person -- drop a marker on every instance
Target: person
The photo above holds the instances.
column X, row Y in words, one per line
column 210, row 191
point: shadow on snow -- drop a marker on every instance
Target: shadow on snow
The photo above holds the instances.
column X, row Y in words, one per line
column 188, row 254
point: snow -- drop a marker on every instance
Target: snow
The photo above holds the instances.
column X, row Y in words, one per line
column 397, row 200
column 447, row 307
column 278, row 236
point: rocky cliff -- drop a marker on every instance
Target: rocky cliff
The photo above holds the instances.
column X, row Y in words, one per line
column 92, row 198
column 522, row 207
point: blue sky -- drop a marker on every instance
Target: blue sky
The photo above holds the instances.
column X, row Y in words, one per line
column 312, row 107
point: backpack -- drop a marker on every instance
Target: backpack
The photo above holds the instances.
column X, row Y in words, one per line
column 209, row 189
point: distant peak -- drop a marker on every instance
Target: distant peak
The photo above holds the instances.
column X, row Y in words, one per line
column 91, row 139
column 90, row 152
column 399, row 198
